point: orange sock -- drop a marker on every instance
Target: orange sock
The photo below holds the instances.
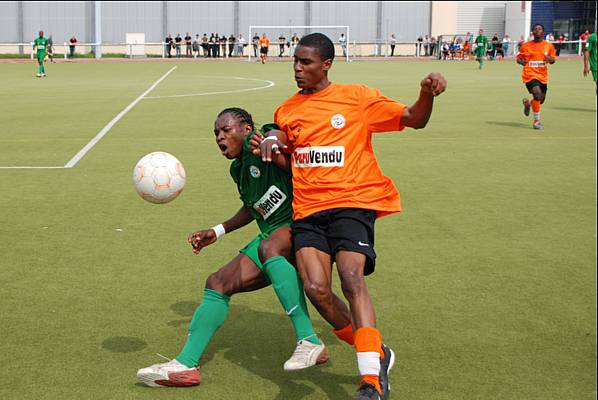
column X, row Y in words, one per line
column 368, row 343
column 536, row 105
column 345, row 334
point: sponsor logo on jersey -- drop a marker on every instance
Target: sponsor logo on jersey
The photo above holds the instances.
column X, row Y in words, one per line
column 338, row 121
column 319, row 156
column 254, row 171
column 537, row 64
column 270, row 202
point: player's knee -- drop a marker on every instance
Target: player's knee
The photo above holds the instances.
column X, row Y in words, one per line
column 318, row 292
column 352, row 283
column 217, row 283
column 267, row 249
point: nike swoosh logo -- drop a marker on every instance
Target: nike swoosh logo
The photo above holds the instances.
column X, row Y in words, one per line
column 291, row 310
column 363, row 244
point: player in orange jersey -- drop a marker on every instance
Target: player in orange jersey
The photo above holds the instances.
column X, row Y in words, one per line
column 534, row 55
column 339, row 191
column 264, row 43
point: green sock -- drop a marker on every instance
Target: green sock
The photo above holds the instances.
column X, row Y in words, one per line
column 43, row 69
column 208, row 317
column 289, row 289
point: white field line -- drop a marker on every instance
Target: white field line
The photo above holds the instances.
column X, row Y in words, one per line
column 268, row 84
column 110, row 124
column 101, row 133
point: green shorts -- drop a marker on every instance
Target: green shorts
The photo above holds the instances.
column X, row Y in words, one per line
column 251, row 250
column 479, row 52
column 40, row 57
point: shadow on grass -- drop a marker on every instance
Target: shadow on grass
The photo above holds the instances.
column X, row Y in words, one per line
column 574, row 109
column 261, row 342
column 124, row 344
column 509, row 124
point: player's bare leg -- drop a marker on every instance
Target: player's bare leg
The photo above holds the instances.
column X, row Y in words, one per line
column 374, row 358
column 538, row 98
column 239, row 275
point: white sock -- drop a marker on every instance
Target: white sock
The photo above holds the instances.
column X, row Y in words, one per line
column 536, row 116
column 369, row 363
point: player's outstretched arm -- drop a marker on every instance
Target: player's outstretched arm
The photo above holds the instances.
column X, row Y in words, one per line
column 206, row 237
column 418, row 114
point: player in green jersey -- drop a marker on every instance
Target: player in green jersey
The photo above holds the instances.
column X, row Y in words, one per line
column 267, row 194
column 40, row 45
column 481, row 42
column 589, row 58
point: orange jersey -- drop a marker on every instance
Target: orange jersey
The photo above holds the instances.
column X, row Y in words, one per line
column 333, row 162
column 264, row 42
column 536, row 66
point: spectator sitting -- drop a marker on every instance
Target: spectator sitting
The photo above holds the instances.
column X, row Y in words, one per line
column 445, row 51
column 466, row 50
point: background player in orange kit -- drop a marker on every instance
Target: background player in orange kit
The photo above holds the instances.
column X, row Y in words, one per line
column 534, row 56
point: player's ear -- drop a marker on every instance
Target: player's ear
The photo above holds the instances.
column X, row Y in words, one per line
column 327, row 64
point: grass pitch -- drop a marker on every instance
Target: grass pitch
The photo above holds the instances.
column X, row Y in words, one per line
column 485, row 285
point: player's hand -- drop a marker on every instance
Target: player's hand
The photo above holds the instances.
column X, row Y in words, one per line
column 270, row 146
column 521, row 61
column 549, row 58
column 434, row 84
column 200, row 239
column 254, row 143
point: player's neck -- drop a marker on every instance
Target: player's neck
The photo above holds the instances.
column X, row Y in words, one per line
column 317, row 88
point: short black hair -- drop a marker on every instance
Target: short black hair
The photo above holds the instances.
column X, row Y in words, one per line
column 240, row 114
column 538, row 24
column 321, row 42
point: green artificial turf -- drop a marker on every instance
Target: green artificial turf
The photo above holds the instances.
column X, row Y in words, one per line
column 485, row 284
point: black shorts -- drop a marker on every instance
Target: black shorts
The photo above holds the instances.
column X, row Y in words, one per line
column 331, row 231
column 534, row 82
column 264, row 50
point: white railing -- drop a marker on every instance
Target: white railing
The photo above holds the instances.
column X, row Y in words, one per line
column 356, row 49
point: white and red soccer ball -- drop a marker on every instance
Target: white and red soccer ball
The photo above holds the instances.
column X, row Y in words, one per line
column 159, row 177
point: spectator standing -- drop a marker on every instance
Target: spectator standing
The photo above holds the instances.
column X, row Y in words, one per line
column 205, row 45
column 177, row 44
column 188, row 50
column 231, row 44
column 393, row 43
column 72, row 44
column 281, row 42
column 51, row 48
column 241, row 43
column 223, row 45
column 168, row 43
column 294, row 41
column 255, row 43
column 505, row 45
column 426, row 45
column 418, row 46
column 196, row 43
column 494, row 43
column 343, row 42
column 216, row 46
column 559, row 45
column 432, row 45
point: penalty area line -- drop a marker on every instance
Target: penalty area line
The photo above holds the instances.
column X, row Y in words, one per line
column 110, row 124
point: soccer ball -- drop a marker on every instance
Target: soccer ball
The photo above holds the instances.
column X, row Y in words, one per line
column 159, row 177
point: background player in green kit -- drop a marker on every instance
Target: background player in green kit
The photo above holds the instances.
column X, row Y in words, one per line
column 39, row 45
column 589, row 58
column 267, row 194
column 481, row 42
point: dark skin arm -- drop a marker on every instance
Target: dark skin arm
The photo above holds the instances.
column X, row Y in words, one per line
column 270, row 150
column 418, row 115
column 206, row 237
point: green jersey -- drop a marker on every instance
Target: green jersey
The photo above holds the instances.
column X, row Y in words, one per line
column 265, row 189
column 591, row 48
column 41, row 44
column 481, row 41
